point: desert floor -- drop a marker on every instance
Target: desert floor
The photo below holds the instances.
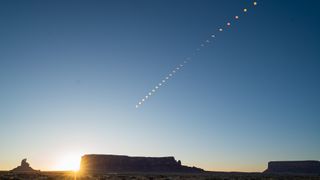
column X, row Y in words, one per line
column 132, row 176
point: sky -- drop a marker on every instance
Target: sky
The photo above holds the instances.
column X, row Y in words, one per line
column 71, row 73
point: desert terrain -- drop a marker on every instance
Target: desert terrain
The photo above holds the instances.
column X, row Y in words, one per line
column 66, row 175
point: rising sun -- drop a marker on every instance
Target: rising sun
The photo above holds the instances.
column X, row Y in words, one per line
column 69, row 162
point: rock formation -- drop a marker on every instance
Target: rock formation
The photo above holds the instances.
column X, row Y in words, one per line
column 293, row 167
column 115, row 164
column 24, row 167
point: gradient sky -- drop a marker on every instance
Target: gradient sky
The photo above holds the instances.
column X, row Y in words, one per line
column 72, row 71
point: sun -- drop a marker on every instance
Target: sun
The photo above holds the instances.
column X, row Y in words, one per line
column 69, row 162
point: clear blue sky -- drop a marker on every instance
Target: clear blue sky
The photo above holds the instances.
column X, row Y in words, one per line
column 71, row 73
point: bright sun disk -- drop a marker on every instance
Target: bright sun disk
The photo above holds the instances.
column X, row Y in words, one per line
column 69, row 162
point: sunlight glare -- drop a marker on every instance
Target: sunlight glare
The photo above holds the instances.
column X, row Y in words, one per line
column 69, row 162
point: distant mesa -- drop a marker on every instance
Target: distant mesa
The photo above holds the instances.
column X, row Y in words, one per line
column 24, row 167
column 294, row 167
column 97, row 163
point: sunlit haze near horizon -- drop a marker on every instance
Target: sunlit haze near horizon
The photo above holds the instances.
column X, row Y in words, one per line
column 74, row 76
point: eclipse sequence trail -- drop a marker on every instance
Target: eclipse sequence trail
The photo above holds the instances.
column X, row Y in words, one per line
column 227, row 25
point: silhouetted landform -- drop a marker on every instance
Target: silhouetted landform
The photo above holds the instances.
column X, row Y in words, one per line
column 119, row 164
column 294, row 167
column 24, row 167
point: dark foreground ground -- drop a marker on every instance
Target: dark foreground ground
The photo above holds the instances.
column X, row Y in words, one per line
column 204, row 176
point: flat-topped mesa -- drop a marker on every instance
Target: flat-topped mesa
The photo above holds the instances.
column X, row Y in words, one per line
column 294, row 167
column 94, row 163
